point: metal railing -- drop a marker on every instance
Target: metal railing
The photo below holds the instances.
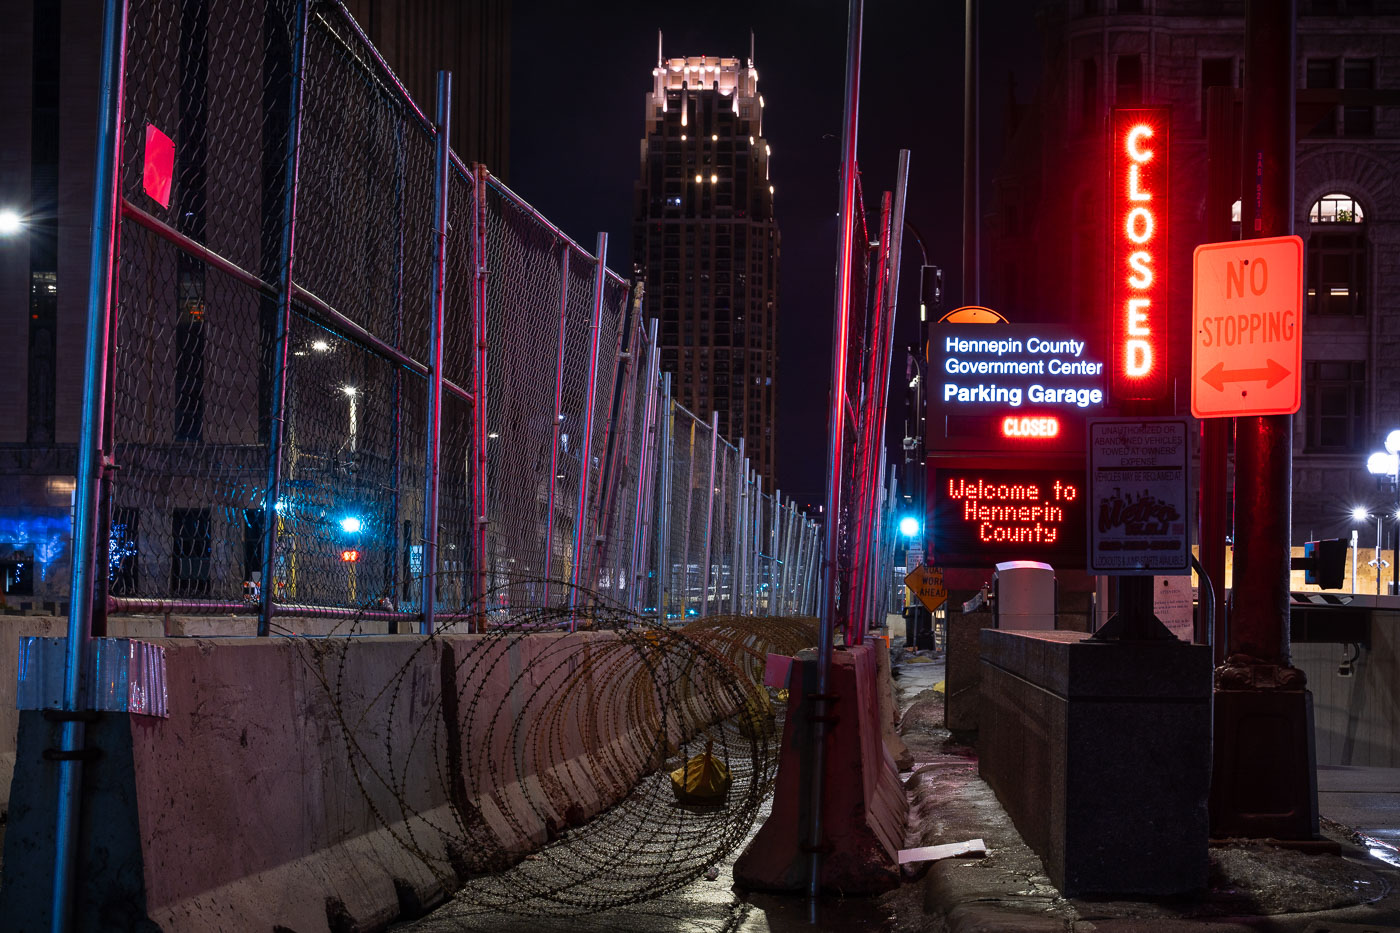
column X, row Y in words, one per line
column 354, row 376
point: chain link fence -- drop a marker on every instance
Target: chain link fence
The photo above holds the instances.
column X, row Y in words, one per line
column 282, row 290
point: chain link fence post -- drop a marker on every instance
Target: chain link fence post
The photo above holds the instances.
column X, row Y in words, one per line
column 646, row 465
column 479, row 516
column 617, row 432
column 437, row 314
column 705, row 574
column 102, row 258
column 666, row 460
column 277, row 419
column 557, row 422
column 586, row 458
column 741, row 498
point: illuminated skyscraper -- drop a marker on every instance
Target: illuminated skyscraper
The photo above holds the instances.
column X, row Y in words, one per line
column 707, row 243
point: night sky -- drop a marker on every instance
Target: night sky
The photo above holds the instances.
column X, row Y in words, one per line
column 579, row 76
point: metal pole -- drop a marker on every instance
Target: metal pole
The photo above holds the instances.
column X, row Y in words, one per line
column 1353, row 560
column 972, row 206
column 709, row 515
column 789, row 557
column 1395, row 525
column 799, row 585
column 775, row 567
column 1222, row 186
column 750, row 493
column 441, row 167
column 755, row 533
column 600, row 279
column 558, row 419
column 646, row 463
column 865, row 489
column 1264, row 445
column 1379, row 522
column 686, row 516
column 480, row 489
column 617, row 431
column 393, row 583
column 740, row 503
column 278, row 415
column 1263, row 783
column 91, row 457
column 663, row 504
column 835, row 447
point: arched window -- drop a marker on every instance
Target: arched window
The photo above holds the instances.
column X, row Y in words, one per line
column 1337, row 257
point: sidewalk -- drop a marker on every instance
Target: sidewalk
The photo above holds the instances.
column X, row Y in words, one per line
column 1254, row 887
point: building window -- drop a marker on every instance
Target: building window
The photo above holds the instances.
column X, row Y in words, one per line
column 1129, row 80
column 1336, row 257
column 1336, row 404
column 1359, row 120
column 1215, row 72
column 190, row 552
column 1322, row 75
column 1088, row 94
column 1336, row 208
column 1351, row 74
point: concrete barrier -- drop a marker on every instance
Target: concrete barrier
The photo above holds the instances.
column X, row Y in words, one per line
column 1100, row 753
column 318, row 784
column 146, row 627
column 864, row 807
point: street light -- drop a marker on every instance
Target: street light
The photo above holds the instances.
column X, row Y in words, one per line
column 10, row 222
column 350, row 392
column 909, row 526
column 1385, row 466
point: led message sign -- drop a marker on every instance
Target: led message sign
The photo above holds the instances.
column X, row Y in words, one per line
column 1140, row 142
column 1011, row 387
column 983, row 516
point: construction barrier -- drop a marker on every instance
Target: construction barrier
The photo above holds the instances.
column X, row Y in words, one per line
column 864, row 807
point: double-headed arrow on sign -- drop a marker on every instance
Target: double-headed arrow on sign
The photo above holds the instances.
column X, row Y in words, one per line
column 1271, row 374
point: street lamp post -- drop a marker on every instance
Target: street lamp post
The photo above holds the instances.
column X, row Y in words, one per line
column 1385, row 466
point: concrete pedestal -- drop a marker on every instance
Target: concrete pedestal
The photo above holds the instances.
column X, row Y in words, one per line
column 1265, row 778
column 963, row 673
column 1100, row 753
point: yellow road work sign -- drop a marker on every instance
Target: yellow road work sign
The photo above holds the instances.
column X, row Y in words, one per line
column 927, row 583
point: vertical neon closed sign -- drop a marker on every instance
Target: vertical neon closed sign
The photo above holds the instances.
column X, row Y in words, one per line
column 1139, row 155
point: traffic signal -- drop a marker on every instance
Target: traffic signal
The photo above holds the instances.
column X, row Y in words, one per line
column 1325, row 563
column 350, row 526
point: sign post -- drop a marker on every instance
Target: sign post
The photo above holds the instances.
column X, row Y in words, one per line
column 1247, row 316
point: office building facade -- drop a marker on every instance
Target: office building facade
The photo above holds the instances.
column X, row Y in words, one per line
column 1046, row 233
column 707, row 243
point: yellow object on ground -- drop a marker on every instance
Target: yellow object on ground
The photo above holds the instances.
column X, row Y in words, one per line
column 756, row 718
column 939, row 687
column 702, row 779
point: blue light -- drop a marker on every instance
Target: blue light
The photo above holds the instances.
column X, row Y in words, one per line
column 351, row 525
column 909, row 526
column 46, row 537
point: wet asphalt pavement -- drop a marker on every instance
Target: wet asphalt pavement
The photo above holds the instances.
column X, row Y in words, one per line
column 1254, row 887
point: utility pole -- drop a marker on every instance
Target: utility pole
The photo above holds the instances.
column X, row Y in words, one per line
column 972, row 202
column 1264, row 782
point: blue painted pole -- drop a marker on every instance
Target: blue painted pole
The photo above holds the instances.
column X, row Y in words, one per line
column 278, row 415
column 442, row 167
column 90, row 460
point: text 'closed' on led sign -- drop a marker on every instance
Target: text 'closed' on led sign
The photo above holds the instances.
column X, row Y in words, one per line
column 1139, row 160
column 983, row 516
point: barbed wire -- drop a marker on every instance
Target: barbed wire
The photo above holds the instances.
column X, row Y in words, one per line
column 534, row 770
